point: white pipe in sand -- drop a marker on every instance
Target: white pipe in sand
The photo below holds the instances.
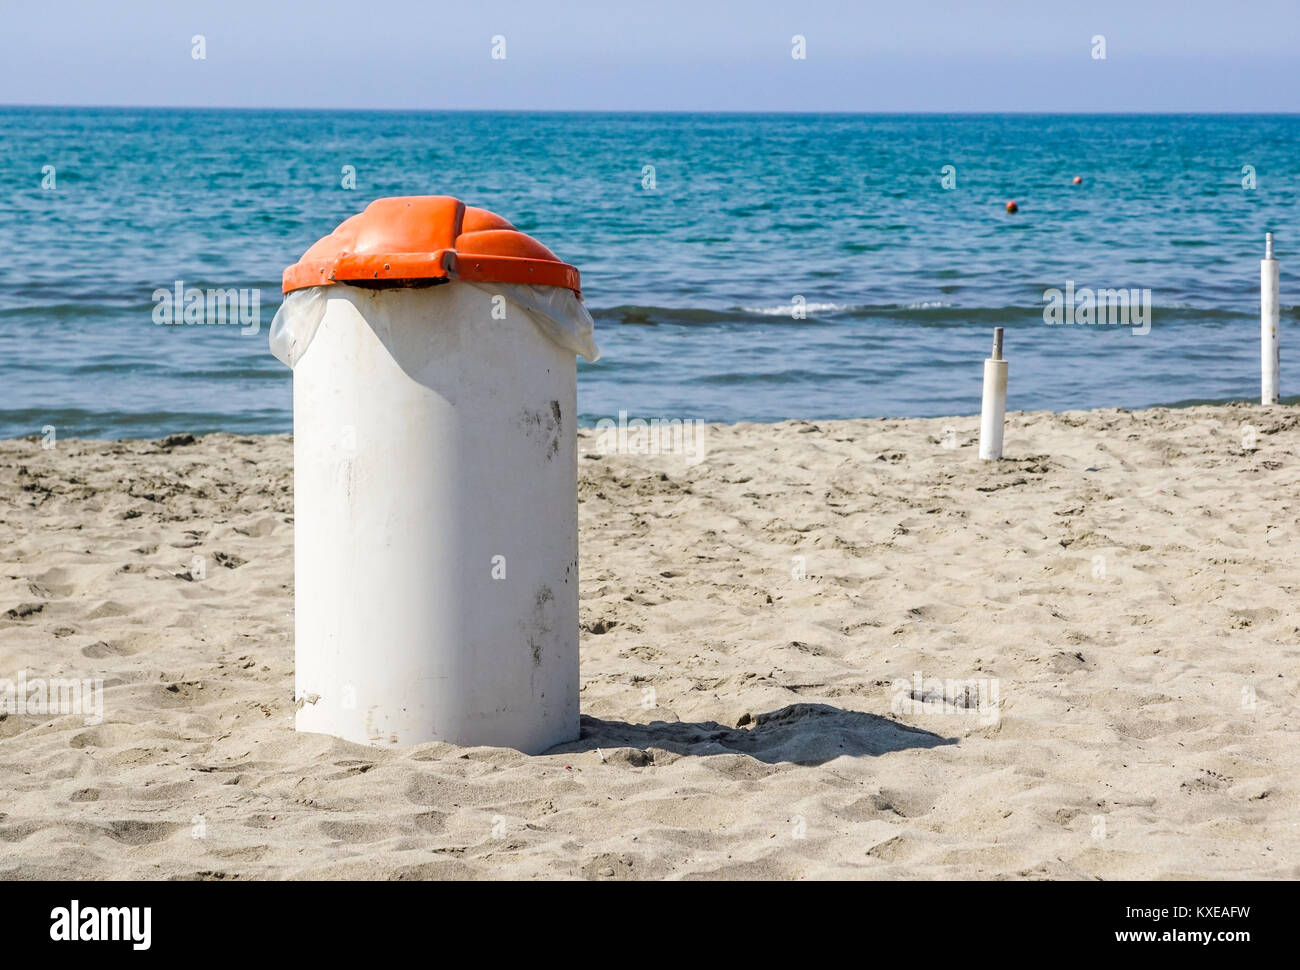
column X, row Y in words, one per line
column 993, row 412
column 1268, row 324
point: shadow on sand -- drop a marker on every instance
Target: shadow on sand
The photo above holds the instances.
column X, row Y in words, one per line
column 801, row 734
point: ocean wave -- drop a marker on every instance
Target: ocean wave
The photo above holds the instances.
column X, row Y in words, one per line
column 112, row 423
column 922, row 312
column 787, row 309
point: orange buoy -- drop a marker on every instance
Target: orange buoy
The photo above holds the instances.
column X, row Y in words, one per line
column 1012, row 207
column 1078, row 180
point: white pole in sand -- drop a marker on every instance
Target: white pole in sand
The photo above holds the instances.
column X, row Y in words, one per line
column 994, row 409
column 1268, row 324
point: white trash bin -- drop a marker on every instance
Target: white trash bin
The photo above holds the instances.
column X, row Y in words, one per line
column 435, row 479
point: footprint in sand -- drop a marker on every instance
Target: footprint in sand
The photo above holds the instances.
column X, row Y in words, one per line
column 101, row 649
column 136, row 832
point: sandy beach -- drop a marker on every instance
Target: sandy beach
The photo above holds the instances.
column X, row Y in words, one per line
column 841, row 649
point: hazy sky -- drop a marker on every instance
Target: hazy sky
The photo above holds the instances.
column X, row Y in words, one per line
column 902, row 55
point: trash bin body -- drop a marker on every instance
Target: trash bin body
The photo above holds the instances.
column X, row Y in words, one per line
column 435, row 521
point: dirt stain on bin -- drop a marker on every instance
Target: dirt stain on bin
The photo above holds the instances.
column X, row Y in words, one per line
column 544, row 428
column 540, row 625
column 345, row 474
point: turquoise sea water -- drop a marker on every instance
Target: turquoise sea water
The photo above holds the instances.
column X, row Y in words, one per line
column 691, row 282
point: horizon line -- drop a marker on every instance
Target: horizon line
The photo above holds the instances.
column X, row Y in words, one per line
column 664, row 111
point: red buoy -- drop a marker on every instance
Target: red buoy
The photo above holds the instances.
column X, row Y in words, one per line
column 1012, row 207
column 1078, row 180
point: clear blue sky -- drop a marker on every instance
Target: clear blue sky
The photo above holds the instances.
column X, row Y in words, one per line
column 901, row 55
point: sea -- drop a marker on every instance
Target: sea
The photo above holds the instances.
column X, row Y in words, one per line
column 739, row 267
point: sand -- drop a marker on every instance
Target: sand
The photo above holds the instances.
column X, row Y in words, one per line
column 1102, row 627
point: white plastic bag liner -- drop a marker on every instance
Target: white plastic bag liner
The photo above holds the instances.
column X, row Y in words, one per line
column 557, row 311
column 295, row 323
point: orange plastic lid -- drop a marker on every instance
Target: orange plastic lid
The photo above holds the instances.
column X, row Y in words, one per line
column 427, row 237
